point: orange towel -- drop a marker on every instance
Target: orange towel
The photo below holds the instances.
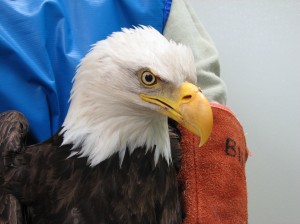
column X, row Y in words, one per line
column 213, row 177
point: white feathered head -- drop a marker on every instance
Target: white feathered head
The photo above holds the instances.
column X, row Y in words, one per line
column 124, row 90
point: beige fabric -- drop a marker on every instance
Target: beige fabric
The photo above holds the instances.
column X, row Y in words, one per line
column 184, row 26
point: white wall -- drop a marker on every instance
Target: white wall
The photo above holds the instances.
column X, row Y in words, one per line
column 259, row 46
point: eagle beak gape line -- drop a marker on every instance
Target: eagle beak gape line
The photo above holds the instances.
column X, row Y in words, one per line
column 189, row 107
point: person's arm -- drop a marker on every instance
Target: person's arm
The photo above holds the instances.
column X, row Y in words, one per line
column 183, row 26
column 212, row 179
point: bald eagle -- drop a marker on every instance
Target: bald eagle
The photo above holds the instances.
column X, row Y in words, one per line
column 111, row 162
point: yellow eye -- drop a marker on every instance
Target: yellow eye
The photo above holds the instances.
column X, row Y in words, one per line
column 148, row 79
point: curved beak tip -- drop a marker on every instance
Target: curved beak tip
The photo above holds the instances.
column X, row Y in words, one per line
column 198, row 117
column 206, row 127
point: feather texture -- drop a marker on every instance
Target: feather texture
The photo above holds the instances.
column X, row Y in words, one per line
column 14, row 127
column 60, row 190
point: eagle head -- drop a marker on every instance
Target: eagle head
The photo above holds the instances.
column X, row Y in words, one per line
column 124, row 90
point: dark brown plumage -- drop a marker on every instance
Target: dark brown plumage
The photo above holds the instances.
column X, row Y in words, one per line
column 53, row 189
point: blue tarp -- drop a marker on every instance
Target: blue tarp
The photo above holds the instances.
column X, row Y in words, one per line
column 42, row 42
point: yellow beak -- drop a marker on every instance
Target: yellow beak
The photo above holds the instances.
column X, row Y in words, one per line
column 189, row 107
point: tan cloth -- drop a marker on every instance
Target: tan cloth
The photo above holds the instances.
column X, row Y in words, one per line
column 184, row 27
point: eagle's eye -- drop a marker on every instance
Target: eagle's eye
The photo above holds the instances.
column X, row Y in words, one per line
column 148, row 79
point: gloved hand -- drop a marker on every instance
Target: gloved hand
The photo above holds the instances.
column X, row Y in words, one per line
column 212, row 178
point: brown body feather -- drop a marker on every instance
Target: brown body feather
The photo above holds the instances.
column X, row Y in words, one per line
column 56, row 189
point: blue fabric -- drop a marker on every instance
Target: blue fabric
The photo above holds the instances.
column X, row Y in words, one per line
column 42, row 42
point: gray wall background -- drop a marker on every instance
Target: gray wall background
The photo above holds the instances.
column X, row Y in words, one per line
column 259, row 47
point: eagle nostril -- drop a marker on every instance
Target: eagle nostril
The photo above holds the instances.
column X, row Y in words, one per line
column 187, row 97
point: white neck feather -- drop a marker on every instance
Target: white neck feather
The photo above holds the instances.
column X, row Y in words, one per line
column 99, row 131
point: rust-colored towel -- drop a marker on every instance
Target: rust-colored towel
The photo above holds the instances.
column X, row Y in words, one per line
column 213, row 176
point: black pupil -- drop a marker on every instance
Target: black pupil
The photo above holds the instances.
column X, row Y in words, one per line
column 149, row 78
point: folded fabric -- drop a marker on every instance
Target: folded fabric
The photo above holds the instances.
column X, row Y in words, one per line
column 212, row 178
